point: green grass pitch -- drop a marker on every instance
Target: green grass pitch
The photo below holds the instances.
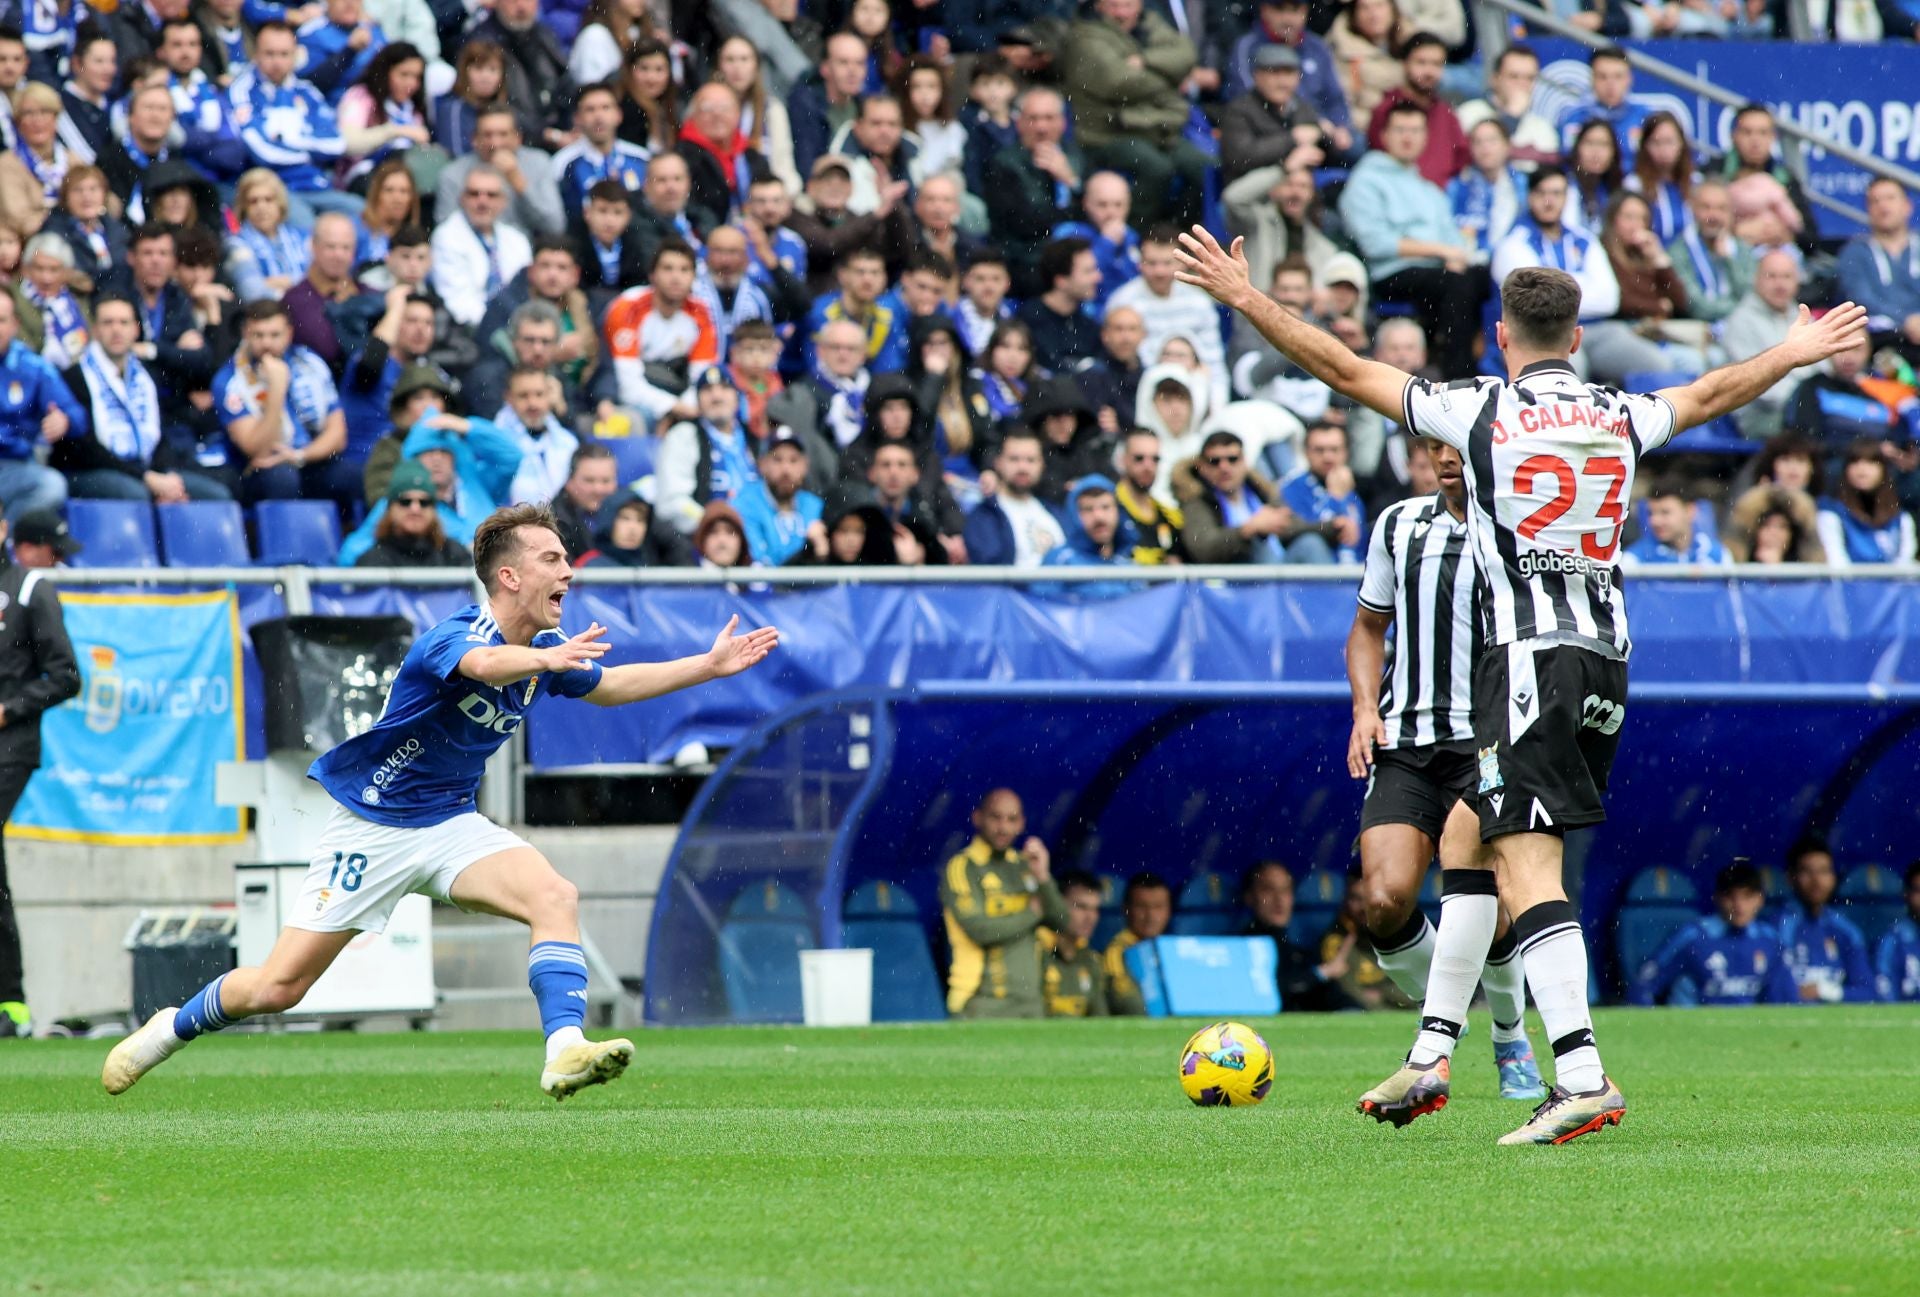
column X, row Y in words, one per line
column 1764, row 1151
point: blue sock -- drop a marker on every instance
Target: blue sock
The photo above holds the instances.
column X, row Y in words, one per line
column 202, row 1013
column 557, row 972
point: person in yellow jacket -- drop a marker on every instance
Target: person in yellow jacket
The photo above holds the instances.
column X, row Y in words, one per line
column 1148, row 906
column 1073, row 977
column 995, row 899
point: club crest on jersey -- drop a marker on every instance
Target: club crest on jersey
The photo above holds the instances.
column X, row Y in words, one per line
column 533, row 682
column 1490, row 776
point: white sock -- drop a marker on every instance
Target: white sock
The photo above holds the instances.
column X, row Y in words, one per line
column 1556, row 959
column 562, row 1038
column 1405, row 955
column 1505, row 981
column 1469, row 911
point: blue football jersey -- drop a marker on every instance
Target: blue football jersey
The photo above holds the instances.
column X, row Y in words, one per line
column 421, row 762
column 1897, row 962
column 1711, row 962
column 1828, row 954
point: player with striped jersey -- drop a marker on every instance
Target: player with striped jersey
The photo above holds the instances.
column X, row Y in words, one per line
column 1549, row 464
column 403, row 818
column 1412, row 742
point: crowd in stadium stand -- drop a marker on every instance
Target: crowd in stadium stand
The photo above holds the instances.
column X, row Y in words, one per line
column 1022, row 940
column 810, row 281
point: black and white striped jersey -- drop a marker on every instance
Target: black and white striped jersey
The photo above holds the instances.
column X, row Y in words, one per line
column 1420, row 571
column 1549, row 466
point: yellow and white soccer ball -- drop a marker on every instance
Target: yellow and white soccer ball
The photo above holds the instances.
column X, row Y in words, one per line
column 1226, row 1064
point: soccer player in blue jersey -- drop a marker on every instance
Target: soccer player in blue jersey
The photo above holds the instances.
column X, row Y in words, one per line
column 404, row 819
column 1730, row 958
column 1896, row 960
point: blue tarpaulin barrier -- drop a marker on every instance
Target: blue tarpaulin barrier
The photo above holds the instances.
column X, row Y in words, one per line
column 1789, row 633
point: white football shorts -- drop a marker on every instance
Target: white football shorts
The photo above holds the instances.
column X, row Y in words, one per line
column 360, row 869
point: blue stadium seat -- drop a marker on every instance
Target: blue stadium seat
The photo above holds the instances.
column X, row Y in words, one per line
column 204, row 533
column 1112, row 917
column 884, row 919
column 1773, row 885
column 1316, row 899
column 1872, row 897
column 765, row 930
column 1208, row 908
column 294, row 532
column 632, row 456
column 1652, row 380
column 1659, row 902
column 1430, row 895
column 113, row 533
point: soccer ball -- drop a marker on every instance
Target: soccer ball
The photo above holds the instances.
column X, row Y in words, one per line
column 1226, row 1064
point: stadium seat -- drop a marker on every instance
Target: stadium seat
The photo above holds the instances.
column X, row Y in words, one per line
column 1773, row 885
column 1872, row 897
column 204, row 533
column 1430, row 895
column 882, row 918
column 632, row 456
column 1652, row 380
column 296, row 532
column 1659, row 902
column 113, row 533
column 1316, row 899
column 1208, row 908
column 765, row 930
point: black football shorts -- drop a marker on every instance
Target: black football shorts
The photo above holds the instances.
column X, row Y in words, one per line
column 1546, row 726
column 1418, row 786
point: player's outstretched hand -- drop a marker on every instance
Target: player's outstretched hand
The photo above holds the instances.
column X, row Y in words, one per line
column 1204, row 263
column 731, row 654
column 1840, row 329
column 1368, row 733
column 577, row 653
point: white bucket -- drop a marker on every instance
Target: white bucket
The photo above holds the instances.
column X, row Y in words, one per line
column 836, row 987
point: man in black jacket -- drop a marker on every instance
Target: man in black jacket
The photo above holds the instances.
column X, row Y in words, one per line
column 37, row 671
column 1306, row 983
column 537, row 81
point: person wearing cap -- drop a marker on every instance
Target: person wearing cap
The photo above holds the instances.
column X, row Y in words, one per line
column 399, row 343
column 470, row 462
column 1271, row 125
column 410, row 533
column 41, row 540
column 827, row 99
column 706, row 458
column 1124, row 69
column 1284, row 23
column 631, row 537
column 127, row 456
column 37, row 671
column 420, row 393
column 781, row 516
column 829, row 229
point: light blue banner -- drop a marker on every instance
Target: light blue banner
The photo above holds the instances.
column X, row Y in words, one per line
column 130, row 760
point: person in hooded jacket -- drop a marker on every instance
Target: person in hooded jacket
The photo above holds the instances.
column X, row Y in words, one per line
column 894, row 416
column 862, row 536
column 630, row 538
column 950, row 400
column 1070, row 438
column 1172, row 406
column 1098, row 535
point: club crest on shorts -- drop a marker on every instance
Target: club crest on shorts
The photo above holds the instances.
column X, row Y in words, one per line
column 1490, row 776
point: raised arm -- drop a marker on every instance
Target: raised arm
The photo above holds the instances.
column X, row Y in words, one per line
column 1223, row 273
column 730, row 655
column 505, row 664
column 1808, row 342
